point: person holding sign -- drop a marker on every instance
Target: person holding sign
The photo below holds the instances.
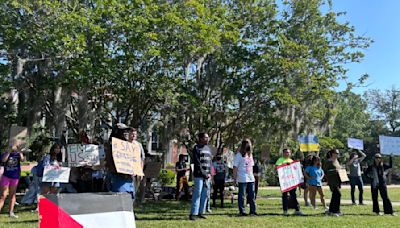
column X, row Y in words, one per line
column 355, row 175
column 243, row 175
column 331, row 169
column 202, row 173
column 53, row 159
column 120, row 182
column 9, row 181
column 285, row 159
column 376, row 172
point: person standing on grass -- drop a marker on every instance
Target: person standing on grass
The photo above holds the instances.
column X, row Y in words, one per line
column 376, row 171
column 257, row 176
column 202, row 159
column 181, row 179
column 219, row 179
column 331, row 169
column 243, row 175
column 314, row 174
column 9, row 181
column 285, row 159
column 355, row 175
column 306, row 162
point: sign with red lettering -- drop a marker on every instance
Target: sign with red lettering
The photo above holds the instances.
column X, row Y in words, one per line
column 290, row 176
column 83, row 155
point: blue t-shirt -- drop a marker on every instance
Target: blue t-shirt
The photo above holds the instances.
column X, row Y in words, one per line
column 316, row 174
column 12, row 167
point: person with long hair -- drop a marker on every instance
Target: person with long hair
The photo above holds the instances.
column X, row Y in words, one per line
column 9, row 181
column 285, row 159
column 331, row 169
column 355, row 175
column 243, row 175
column 54, row 158
column 314, row 174
column 181, row 179
column 376, row 172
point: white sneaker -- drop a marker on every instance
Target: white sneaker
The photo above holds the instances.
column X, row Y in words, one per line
column 12, row 215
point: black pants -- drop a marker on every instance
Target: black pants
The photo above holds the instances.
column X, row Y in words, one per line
column 387, row 205
column 334, row 205
column 256, row 186
column 293, row 199
column 218, row 187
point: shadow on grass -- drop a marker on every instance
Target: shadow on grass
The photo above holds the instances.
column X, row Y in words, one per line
column 23, row 221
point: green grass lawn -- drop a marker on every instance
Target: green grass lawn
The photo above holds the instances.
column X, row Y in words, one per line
column 169, row 213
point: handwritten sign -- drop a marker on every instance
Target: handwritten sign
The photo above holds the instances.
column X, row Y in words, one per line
column 56, row 174
column 290, row 176
column 343, row 175
column 83, row 155
column 389, row 145
column 355, row 143
column 126, row 157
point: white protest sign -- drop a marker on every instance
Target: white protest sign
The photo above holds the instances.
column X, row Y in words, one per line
column 290, row 176
column 82, row 155
column 56, row 174
column 355, row 143
column 389, row 145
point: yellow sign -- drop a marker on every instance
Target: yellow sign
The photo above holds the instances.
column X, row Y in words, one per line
column 126, row 157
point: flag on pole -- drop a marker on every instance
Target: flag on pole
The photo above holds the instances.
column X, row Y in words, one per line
column 308, row 143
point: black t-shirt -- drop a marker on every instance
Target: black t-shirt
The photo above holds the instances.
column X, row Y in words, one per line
column 180, row 165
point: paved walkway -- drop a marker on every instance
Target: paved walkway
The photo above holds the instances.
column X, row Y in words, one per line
column 327, row 194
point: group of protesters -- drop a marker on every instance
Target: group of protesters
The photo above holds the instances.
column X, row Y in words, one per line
column 204, row 174
column 211, row 172
column 111, row 180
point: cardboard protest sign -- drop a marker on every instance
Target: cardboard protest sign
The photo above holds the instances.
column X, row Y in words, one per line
column 18, row 136
column 343, row 175
column 89, row 210
column 83, row 155
column 389, row 145
column 355, row 143
column 56, row 174
column 308, row 143
column 126, row 157
column 290, row 176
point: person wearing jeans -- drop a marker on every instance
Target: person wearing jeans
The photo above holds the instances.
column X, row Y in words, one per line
column 355, row 175
column 243, row 175
column 202, row 173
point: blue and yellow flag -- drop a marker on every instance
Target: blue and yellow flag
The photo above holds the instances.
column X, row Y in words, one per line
column 308, row 143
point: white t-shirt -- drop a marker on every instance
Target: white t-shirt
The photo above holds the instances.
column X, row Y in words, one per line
column 245, row 168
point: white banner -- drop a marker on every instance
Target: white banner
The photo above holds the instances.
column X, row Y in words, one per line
column 389, row 145
column 56, row 174
column 82, row 155
column 290, row 176
column 355, row 143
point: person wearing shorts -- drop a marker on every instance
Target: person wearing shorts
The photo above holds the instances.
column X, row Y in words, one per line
column 9, row 181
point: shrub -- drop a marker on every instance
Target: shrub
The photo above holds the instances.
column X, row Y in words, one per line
column 167, row 177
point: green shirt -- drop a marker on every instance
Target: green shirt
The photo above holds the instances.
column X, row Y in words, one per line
column 283, row 160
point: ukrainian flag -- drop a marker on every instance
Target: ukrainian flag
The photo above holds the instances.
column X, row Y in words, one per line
column 308, row 143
